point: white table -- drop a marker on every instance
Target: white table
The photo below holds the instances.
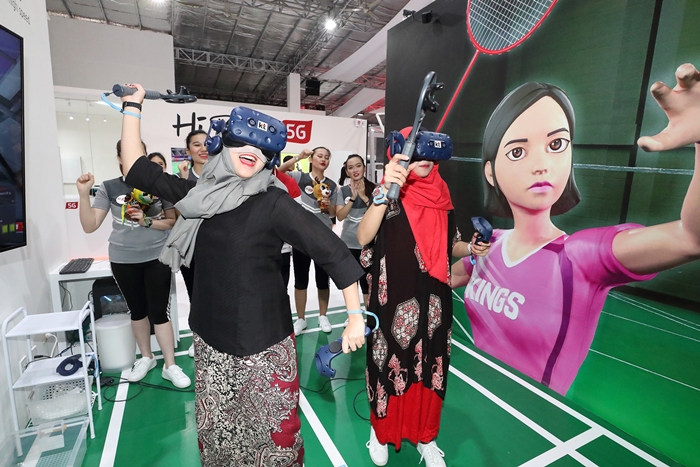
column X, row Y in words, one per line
column 99, row 269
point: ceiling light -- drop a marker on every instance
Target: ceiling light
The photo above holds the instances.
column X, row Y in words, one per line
column 330, row 24
column 87, row 119
column 104, row 120
column 71, row 118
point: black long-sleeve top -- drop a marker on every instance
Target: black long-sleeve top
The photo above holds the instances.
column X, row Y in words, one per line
column 239, row 303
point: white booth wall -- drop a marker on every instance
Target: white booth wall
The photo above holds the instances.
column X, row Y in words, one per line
column 90, row 145
column 24, row 271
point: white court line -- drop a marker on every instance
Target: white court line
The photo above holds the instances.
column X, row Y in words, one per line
column 653, row 327
column 648, row 371
column 320, row 432
column 310, row 330
column 661, row 313
column 563, row 407
column 566, row 448
column 109, row 452
column 457, row 321
column 523, row 419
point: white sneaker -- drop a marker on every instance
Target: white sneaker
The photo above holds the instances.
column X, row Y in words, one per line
column 432, row 454
column 379, row 453
column 299, row 325
column 324, row 323
column 190, row 351
column 142, row 366
column 175, row 375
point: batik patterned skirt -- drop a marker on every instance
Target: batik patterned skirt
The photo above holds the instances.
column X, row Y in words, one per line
column 246, row 407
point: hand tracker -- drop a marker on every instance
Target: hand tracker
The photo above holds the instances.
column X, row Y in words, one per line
column 484, row 229
column 326, row 353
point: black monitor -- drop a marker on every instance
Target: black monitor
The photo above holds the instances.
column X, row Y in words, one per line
column 13, row 211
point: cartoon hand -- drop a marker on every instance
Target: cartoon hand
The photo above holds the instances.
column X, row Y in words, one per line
column 481, row 248
column 682, row 107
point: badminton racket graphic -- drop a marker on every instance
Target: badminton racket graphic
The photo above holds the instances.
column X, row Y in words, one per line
column 497, row 26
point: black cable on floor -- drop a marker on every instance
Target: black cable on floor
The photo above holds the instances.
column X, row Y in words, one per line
column 354, row 404
column 325, row 385
column 141, row 385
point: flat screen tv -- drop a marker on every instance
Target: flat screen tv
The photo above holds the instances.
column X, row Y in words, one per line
column 13, row 225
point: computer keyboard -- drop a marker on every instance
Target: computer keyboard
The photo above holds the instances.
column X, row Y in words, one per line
column 76, row 266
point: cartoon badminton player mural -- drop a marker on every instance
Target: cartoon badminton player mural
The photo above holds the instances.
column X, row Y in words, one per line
column 534, row 301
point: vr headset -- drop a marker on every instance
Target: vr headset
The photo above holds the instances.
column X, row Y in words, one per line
column 430, row 146
column 247, row 127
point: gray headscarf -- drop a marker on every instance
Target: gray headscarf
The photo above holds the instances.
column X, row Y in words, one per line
column 218, row 190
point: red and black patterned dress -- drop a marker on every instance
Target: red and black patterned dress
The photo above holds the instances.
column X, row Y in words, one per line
column 408, row 356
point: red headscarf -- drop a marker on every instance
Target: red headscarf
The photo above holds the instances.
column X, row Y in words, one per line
column 427, row 201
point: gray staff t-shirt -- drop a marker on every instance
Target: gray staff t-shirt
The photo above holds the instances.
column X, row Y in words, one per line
column 352, row 221
column 307, row 198
column 130, row 243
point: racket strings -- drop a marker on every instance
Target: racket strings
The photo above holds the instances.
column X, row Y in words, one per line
column 499, row 25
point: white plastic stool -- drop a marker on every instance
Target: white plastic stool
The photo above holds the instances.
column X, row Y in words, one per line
column 116, row 342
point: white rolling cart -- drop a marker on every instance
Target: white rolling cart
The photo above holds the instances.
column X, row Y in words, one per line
column 42, row 373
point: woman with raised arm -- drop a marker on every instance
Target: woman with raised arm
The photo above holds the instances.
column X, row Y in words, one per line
column 408, row 246
column 535, row 300
column 140, row 223
column 233, row 223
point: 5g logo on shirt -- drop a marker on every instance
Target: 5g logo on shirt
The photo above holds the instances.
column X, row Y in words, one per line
column 298, row 131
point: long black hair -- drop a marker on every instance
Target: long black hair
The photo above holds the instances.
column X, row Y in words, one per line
column 369, row 186
column 510, row 108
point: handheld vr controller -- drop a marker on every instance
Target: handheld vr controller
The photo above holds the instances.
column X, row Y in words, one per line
column 247, row 127
column 183, row 96
column 430, row 146
column 326, row 353
column 484, row 230
column 426, row 101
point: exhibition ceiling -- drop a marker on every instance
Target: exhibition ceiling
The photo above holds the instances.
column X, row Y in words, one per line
column 243, row 50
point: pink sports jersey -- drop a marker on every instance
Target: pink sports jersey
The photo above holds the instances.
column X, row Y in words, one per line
column 516, row 309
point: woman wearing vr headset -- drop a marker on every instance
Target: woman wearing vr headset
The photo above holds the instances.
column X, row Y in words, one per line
column 323, row 209
column 234, row 222
column 408, row 246
column 535, row 300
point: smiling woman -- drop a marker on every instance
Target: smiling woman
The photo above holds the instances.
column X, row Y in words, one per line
column 234, row 221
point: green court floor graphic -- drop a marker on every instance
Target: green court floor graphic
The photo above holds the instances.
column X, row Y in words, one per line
column 641, row 378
